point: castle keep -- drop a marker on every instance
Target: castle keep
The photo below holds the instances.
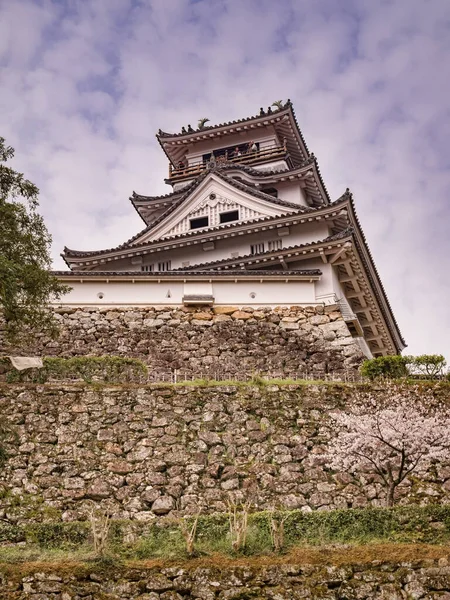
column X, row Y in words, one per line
column 248, row 224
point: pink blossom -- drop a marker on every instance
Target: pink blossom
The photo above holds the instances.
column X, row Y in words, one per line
column 392, row 437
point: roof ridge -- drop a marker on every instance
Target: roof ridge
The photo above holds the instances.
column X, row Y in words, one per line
column 190, row 130
column 179, row 272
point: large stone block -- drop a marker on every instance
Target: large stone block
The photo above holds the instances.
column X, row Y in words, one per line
column 225, row 310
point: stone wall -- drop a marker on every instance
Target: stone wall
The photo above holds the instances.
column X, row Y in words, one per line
column 378, row 580
column 172, row 450
column 219, row 343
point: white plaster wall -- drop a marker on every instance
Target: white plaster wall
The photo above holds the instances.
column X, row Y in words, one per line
column 291, row 192
column 166, row 293
column 276, row 165
column 328, row 286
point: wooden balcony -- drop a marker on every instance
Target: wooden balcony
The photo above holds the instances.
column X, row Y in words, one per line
column 249, row 158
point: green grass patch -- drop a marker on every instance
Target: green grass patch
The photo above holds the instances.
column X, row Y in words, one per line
column 163, row 539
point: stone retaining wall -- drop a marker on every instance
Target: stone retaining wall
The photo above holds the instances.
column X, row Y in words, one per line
column 172, row 450
column 219, row 342
column 428, row 580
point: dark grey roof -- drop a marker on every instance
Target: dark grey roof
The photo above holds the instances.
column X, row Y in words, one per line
column 180, row 273
column 262, row 113
column 274, row 115
column 347, row 233
column 294, row 208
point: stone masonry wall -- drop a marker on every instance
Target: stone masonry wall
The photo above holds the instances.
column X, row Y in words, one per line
column 427, row 579
column 219, row 342
column 172, row 450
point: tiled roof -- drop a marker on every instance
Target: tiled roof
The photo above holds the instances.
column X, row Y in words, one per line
column 140, row 197
column 222, row 166
column 179, row 273
column 237, row 184
column 274, row 116
column 195, row 232
column 375, row 281
column 190, row 131
column 294, row 208
column 347, row 233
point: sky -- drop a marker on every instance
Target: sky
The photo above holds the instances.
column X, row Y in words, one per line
column 85, row 85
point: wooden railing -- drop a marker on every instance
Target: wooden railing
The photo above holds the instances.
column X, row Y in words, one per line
column 250, row 158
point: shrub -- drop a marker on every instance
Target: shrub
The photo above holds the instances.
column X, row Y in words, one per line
column 391, row 367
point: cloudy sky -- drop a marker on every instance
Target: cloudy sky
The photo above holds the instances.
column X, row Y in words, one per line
column 85, row 84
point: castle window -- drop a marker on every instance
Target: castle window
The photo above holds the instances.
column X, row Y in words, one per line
column 199, row 222
column 257, row 248
column 227, row 217
column 147, row 268
column 164, row 266
column 271, row 192
column 275, row 245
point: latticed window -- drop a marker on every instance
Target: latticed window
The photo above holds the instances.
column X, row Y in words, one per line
column 147, row 268
column 164, row 266
column 275, row 245
column 257, row 248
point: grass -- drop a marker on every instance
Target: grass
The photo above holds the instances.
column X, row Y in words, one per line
column 255, row 381
column 82, row 564
column 163, row 539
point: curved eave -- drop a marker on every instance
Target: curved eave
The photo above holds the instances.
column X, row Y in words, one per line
column 265, row 258
column 283, row 120
column 372, row 271
column 132, row 276
column 330, row 211
column 288, row 206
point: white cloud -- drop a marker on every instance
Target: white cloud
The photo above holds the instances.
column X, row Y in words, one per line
column 85, row 85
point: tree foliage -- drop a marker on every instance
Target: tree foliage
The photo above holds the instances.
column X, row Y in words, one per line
column 391, row 439
column 429, row 366
column 425, row 366
column 26, row 284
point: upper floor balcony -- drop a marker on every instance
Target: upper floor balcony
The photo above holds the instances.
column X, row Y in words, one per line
column 251, row 155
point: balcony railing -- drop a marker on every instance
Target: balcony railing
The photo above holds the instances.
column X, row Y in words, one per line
column 267, row 154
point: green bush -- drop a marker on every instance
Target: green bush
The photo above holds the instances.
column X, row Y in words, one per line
column 102, row 368
column 425, row 366
column 390, row 367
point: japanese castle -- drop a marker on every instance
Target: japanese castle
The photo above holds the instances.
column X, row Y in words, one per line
column 248, row 222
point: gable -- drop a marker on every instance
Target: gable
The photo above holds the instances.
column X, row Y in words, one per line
column 206, row 207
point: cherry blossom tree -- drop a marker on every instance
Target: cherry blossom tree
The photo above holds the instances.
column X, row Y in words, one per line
column 392, row 437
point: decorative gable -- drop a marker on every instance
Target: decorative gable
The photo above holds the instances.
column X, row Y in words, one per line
column 213, row 211
column 213, row 203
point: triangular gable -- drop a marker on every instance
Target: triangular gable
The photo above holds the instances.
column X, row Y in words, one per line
column 211, row 198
